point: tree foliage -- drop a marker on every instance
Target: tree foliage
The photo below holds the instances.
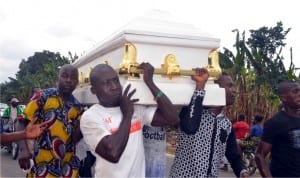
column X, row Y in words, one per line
column 39, row 70
column 257, row 68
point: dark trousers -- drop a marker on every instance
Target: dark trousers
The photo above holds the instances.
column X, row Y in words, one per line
column 86, row 165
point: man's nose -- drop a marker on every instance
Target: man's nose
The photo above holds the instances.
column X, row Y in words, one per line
column 68, row 79
column 114, row 85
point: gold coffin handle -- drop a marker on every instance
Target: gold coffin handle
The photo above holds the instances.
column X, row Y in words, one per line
column 213, row 66
column 134, row 70
column 170, row 68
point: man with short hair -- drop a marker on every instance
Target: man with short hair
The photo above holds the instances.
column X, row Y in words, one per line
column 112, row 128
column 206, row 135
column 54, row 151
column 281, row 135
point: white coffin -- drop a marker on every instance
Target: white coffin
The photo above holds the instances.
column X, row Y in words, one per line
column 155, row 36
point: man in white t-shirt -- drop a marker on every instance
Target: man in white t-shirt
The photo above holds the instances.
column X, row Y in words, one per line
column 113, row 128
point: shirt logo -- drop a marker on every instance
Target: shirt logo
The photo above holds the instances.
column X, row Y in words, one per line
column 107, row 120
column 135, row 126
column 295, row 138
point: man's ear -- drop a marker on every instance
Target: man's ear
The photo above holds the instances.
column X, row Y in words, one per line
column 283, row 98
column 93, row 90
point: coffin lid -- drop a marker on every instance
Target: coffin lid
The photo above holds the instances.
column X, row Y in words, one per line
column 157, row 25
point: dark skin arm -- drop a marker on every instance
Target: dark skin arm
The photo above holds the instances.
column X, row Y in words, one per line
column 166, row 113
column 24, row 155
column 262, row 151
column 31, row 131
column 234, row 156
column 76, row 135
column 112, row 146
column 11, row 137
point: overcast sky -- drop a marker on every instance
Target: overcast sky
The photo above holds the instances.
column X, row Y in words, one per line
column 28, row 26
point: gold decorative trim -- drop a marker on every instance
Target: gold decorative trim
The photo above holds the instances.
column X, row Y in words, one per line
column 213, row 67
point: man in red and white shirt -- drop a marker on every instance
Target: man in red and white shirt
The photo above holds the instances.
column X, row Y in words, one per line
column 113, row 128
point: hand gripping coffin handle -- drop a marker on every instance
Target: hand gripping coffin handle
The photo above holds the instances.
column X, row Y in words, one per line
column 170, row 68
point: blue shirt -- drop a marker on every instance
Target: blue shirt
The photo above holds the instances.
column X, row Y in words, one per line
column 256, row 130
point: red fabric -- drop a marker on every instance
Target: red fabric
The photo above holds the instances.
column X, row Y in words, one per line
column 20, row 117
column 241, row 129
column 36, row 95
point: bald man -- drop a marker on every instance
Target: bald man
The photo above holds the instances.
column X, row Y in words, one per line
column 281, row 134
column 112, row 128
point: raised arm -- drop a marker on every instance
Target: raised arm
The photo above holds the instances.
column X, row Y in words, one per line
column 190, row 116
column 112, row 146
column 166, row 113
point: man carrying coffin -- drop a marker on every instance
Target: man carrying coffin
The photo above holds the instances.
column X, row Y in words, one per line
column 112, row 128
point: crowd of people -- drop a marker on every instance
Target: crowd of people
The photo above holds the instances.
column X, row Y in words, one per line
column 114, row 132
